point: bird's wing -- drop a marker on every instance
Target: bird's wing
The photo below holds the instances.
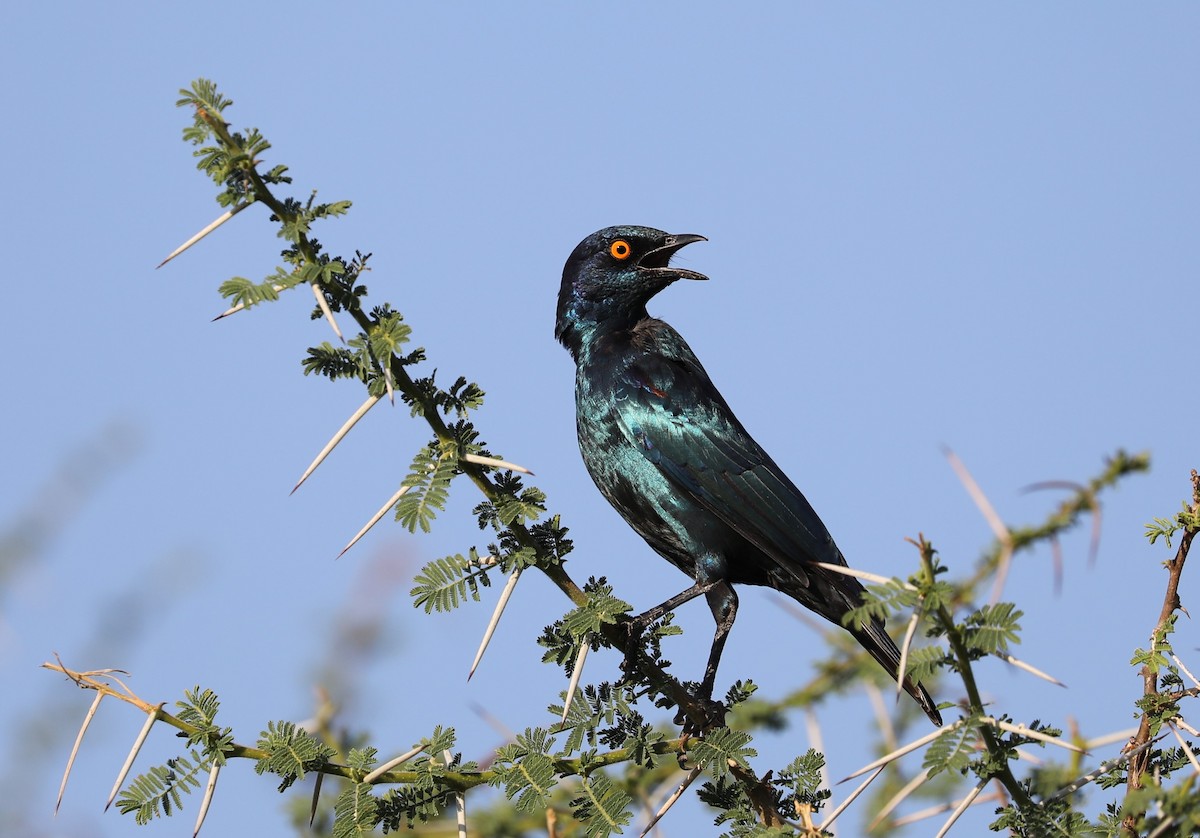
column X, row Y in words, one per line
column 668, row 406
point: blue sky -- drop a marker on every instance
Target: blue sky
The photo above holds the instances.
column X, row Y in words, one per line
column 964, row 225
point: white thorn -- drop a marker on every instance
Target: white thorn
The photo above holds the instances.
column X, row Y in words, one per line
column 862, row 574
column 899, row 797
column 962, row 807
column 375, row 518
column 225, row 217
column 87, row 720
column 208, row 796
column 235, row 309
column 904, row 649
column 1187, row 749
column 392, row 763
column 1184, row 669
column 494, row 463
column 899, row 752
column 337, row 437
column 1022, row 730
column 672, row 800
column 578, row 671
column 1106, row 766
column 1032, row 670
column 151, row 718
column 491, row 627
column 853, row 795
column 993, row 519
column 320, row 295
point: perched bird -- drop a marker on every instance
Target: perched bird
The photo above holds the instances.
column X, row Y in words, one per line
column 666, row 450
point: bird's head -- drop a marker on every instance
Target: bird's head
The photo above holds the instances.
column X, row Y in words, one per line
column 612, row 274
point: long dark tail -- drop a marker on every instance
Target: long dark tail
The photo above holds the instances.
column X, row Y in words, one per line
column 875, row 640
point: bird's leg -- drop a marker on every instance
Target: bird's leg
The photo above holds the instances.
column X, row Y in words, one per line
column 635, row 625
column 723, row 602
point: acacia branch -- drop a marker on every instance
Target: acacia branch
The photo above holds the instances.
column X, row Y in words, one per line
column 1152, row 714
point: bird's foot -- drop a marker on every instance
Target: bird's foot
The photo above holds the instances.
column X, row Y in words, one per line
column 704, row 715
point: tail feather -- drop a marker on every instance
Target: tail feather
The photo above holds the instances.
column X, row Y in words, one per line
column 875, row 640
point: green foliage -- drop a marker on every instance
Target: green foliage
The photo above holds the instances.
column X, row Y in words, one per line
column 1165, row 528
column 291, row 753
column 428, row 484
column 992, row 628
column 199, row 708
column 531, row 771
column 600, row 806
column 160, row 790
column 355, row 812
column 525, row 770
column 601, row 608
column 443, row 584
column 719, row 748
column 953, row 750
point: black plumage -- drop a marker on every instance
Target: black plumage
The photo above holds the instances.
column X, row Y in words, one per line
column 668, row 453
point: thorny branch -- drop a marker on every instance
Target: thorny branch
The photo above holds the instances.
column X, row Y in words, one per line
column 1140, row 761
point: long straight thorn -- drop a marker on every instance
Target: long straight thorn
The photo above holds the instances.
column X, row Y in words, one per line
column 491, row 627
column 671, row 801
column 578, row 671
column 324, row 305
column 915, row 783
column 861, row 574
column 208, row 796
column 151, row 718
column 904, row 649
column 1022, row 730
column 899, row 752
column 1032, row 670
column 337, row 437
column 853, row 795
column 392, row 763
column 235, row 309
column 225, row 217
column 963, row 805
column 375, row 518
column 87, row 720
column 1187, row 749
column 494, row 463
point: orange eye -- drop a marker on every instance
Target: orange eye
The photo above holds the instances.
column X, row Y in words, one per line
column 620, row 249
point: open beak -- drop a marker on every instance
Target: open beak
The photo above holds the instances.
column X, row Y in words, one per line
column 656, row 262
